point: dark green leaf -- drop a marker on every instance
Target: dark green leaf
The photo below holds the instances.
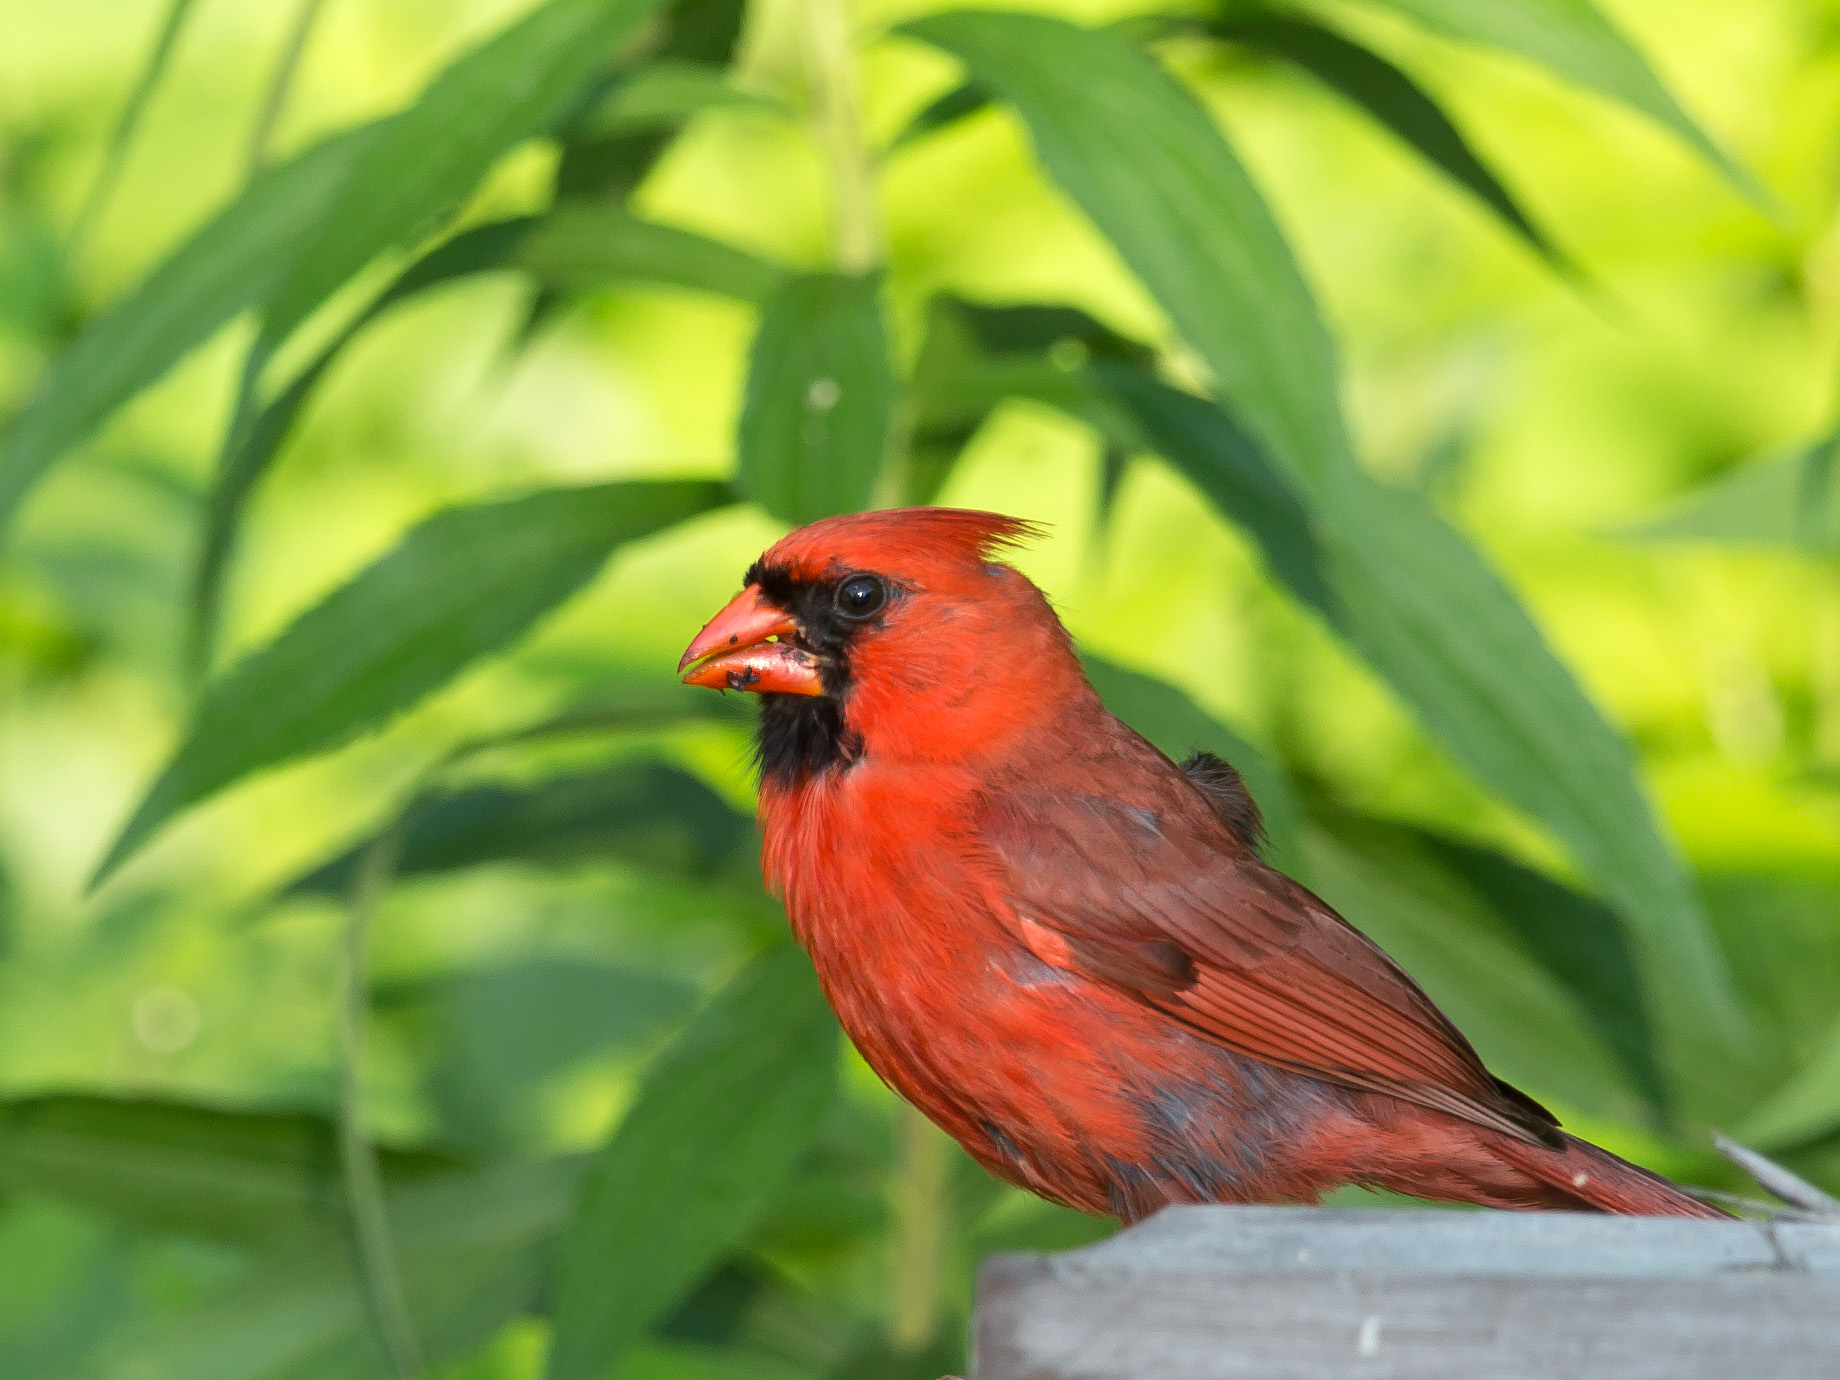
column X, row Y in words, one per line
column 1791, row 503
column 1392, row 98
column 820, row 399
column 171, row 1166
column 1178, row 726
column 1525, row 1025
column 1576, row 938
column 960, row 103
column 513, row 87
column 648, row 814
column 232, row 263
column 579, row 247
column 464, row 583
column 662, row 95
column 253, row 443
column 1573, row 40
column 1420, row 605
column 722, row 1119
column 1142, row 159
column 472, row 1249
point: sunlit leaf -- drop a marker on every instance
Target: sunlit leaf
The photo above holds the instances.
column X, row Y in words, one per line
column 720, row 1123
column 652, row 815
column 820, row 399
column 251, row 448
column 464, row 583
column 1572, row 39
column 1791, row 503
column 230, row 264
column 513, row 87
column 1144, row 161
column 1805, row 1108
column 1392, row 98
column 578, row 247
column 240, row 1176
column 1178, row 726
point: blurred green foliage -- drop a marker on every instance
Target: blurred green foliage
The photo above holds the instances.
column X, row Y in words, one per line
column 1432, row 405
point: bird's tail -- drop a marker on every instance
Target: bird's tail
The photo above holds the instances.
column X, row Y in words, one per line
column 1584, row 1176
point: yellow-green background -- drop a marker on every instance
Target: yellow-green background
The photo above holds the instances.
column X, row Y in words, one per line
column 1545, row 414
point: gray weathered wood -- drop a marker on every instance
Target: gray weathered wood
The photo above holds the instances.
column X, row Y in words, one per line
column 1222, row 1293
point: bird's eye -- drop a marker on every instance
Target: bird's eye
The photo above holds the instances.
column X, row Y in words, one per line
column 861, row 596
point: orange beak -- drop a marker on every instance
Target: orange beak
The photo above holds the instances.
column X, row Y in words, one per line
column 748, row 646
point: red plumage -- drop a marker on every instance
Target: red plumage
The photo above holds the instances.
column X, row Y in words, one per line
column 1060, row 946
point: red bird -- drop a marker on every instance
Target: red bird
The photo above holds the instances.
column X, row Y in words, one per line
column 1062, row 947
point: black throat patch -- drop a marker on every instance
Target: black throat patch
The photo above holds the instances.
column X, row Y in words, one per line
column 801, row 736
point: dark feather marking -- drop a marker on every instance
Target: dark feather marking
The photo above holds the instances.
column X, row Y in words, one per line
column 802, row 735
column 1219, row 780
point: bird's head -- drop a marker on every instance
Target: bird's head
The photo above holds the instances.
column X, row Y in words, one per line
column 897, row 632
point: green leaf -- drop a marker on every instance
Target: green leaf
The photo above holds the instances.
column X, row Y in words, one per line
column 579, row 247
column 662, row 95
column 1575, row 938
column 504, row 1029
column 1805, row 1108
column 1142, row 159
column 820, row 399
column 649, row 814
column 1420, row 605
column 1792, row 503
column 1393, row 99
column 237, row 1176
column 464, row 583
column 1525, row 1025
column 472, row 1249
column 426, row 160
column 722, row 1119
column 232, row 263
column 252, row 444
column 1177, row 726
column 1573, row 40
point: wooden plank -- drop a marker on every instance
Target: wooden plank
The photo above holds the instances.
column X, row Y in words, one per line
column 1297, row 1294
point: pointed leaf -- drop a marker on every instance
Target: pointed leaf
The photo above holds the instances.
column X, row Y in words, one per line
column 1792, row 503
column 578, row 247
column 238, row 1176
column 1393, row 99
column 1143, row 160
column 820, row 399
column 515, row 86
column 722, row 1119
column 654, row 816
column 235, row 261
column 1573, row 40
column 253, row 443
column 464, row 583
column 662, row 95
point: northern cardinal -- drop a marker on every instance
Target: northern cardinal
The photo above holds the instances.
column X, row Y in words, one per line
column 1061, row 946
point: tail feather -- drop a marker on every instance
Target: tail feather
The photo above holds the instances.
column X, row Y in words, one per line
column 1585, row 1176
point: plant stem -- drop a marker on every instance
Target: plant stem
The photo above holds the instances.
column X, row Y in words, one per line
column 919, row 1232
column 378, row 1276
column 116, row 154
column 281, row 84
column 831, row 66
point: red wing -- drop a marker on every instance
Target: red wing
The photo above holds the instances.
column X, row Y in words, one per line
column 1159, row 901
